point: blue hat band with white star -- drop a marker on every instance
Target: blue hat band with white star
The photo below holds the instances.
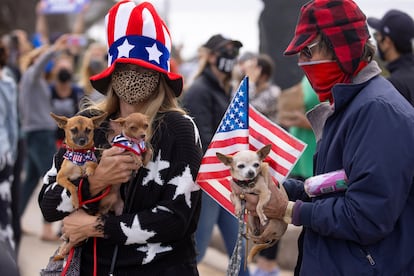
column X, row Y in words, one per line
column 140, row 47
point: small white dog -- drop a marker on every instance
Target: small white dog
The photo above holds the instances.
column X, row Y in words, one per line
column 251, row 175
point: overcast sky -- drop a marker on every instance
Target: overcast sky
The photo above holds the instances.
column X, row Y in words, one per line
column 192, row 22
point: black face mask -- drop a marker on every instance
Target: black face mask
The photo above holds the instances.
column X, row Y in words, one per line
column 64, row 75
column 226, row 58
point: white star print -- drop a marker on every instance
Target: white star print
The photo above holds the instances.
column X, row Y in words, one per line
column 185, row 185
column 6, row 233
column 153, row 249
column 196, row 133
column 161, row 208
column 66, row 203
column 135, row 234
column 5, row 188
column 154, row 170
column 154, row 53
column 124, row 49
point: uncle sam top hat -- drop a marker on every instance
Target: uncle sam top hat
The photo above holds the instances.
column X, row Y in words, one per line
column 137, row 35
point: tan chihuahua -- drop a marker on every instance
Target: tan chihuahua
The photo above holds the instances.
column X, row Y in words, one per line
column 79, row 159
column 251, row 175
column 134, row 129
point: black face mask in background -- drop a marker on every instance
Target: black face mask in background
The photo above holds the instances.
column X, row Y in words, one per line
column 226, row 58
column 64, row 75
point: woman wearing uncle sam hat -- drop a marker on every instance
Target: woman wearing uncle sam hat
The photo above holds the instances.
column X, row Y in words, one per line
column 154, row 233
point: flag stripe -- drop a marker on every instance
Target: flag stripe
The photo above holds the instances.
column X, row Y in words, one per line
column 217, row 189
column 276, row 130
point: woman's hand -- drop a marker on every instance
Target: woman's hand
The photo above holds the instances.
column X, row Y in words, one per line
column 78, row 226
column 115, row 167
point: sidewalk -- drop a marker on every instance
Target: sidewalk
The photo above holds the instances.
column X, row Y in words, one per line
column 34, row 253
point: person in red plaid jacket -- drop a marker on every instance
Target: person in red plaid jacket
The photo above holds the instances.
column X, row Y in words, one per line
column 364, row 127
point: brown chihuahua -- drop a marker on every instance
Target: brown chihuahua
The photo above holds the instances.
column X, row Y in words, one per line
column 250, row 174
column 134, row 129
column 79, row 159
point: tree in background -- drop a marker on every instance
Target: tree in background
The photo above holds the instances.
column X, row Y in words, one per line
column 277, row 23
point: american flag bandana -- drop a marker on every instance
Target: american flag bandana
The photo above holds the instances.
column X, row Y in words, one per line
column 79, row 158
column 123, row 142
column 341, row 21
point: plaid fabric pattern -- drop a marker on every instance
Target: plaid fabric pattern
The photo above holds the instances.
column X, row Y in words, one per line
column 343, row 23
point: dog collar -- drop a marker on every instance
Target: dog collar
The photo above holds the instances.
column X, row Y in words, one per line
column 136, row 146
column 80, row 157
column 245, row 183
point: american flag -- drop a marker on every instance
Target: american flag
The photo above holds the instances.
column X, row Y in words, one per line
column 241, row 128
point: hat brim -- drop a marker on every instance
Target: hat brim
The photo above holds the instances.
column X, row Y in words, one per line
column 298, row 43
column 101, row 81
column 374, row 23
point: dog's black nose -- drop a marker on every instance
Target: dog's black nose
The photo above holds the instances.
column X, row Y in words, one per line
column 82, row 141
column 250, row 174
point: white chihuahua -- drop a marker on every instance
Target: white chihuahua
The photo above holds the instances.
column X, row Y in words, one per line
column 251, row 175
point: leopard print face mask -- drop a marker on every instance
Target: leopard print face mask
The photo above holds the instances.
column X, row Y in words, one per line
column 133, row 86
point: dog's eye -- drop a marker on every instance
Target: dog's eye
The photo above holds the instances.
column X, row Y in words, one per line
column 87, row 130
column 256, row 165
column 134, row 128
column 74, row 130
column 241, row 166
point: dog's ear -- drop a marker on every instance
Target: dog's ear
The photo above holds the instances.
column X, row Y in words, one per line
column 263, row 152
column 120, row 121
column 225, row 159
column 60, row 120
column 97, row 120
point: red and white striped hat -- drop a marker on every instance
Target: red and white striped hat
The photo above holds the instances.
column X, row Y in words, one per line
column 137, row 35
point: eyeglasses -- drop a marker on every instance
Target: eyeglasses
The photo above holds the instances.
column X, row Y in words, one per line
column 307, row 51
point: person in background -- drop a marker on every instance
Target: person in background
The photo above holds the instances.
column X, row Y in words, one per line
column 38, row 127
column 263, row 93
column 299, row 126
column 239, row 70
column 207, row 99
column 17, row 44
column 66, row 94
column 394, row 36
column 154, row 234
column 93, row 62
column 9, row 135
column 364, row 129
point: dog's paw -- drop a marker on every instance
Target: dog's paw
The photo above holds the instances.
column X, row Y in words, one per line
column 263, row 219
column 75, row 202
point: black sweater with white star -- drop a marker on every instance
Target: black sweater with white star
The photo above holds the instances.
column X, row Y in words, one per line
column 162, row 204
